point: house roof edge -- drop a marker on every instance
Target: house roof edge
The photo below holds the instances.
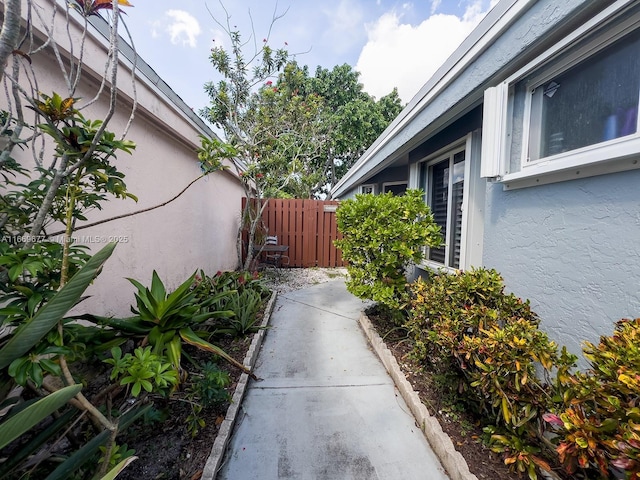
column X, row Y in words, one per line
column 499, row 18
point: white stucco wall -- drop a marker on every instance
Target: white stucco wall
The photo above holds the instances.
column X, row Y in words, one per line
column 198, row 230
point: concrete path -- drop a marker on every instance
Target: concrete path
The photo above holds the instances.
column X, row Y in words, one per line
column 325, row 408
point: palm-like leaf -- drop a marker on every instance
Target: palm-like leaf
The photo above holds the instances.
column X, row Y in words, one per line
column 115, row 471
column 191, row 338
column 174, row 352
column 22, row 421
column 34, row 329
column 157, row 287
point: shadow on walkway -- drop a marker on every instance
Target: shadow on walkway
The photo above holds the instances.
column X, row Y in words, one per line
column 325, row 408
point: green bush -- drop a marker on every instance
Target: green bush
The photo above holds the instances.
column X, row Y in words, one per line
column 448, row 307
column 207, row 388
column 599, row 431
column 466, row 322
column 381, row 236
column 210, row 386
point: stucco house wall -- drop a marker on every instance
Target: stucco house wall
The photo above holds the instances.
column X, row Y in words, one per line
column 569, row 246
column 198, row 230
column 572, row 248
column 567, row 239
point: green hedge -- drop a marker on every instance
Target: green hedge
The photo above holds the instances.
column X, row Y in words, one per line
column 382, row 235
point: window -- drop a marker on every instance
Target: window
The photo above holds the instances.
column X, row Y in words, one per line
column 368, row 188
column 443, row 181
column 573, row 111
column 594, row 101
column 397, row 188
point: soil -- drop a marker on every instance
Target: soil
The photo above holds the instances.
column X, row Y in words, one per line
column 167, row 451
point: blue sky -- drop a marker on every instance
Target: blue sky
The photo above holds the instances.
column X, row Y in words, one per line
column 391, row 43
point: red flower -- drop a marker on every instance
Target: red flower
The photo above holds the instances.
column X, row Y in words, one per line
column 269, row 83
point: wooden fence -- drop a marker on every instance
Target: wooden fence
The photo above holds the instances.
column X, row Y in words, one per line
column 308, row 227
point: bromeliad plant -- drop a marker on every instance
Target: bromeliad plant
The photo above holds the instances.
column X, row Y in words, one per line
column 245, row 294
column 167, row 320
column 244, row 305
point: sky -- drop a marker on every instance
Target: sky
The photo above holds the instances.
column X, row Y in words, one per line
column 391, row 43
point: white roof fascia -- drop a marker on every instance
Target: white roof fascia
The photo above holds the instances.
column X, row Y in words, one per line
column 488, row 30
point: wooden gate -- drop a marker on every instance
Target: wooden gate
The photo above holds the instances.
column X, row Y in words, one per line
column 308, row 227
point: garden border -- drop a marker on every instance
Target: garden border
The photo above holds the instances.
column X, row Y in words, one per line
column 219, row 447
column 452, row 460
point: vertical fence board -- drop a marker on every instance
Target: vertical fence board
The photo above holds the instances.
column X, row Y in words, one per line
column 317, row 238
column 299, row 213
column 326, row 236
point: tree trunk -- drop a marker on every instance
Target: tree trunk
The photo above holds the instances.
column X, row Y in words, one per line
column 10, row 31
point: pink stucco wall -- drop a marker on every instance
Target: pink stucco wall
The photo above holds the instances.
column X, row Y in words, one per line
column 196, row 231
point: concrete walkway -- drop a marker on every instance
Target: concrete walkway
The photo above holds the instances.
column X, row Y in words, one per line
column 325, row 408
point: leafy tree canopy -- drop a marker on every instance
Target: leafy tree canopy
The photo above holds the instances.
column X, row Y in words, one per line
column 288, row 133
column 306, row 130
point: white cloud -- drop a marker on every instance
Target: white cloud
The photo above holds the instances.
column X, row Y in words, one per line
column 345, row 25
column 405, row 56
column 183, row 28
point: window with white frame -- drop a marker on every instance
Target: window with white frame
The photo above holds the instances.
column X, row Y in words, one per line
column 368, row 188
column 593, row 101
column 443, row 181
column 573, row 111
column 397, row 188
